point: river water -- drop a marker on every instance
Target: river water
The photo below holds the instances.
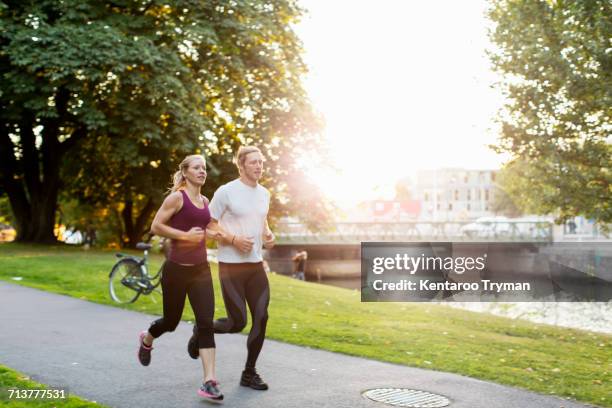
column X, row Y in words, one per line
column 593, row 316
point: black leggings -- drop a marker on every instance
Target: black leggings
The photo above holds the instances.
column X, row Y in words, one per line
column 194, row 281
column 239, row 283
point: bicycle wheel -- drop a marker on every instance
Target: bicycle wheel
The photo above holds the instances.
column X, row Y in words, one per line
column 124, row 279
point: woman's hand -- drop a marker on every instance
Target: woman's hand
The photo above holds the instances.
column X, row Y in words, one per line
column 213, row 234
column 195, row 234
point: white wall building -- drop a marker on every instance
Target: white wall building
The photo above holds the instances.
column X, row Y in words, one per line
column 455, row 194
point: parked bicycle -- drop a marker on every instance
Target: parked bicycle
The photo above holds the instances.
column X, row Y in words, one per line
column 130, row 277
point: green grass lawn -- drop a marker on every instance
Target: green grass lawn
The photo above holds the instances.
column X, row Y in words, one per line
column 550, row 360
column 10, row 379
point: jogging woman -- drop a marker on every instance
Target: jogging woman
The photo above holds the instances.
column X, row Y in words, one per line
column 183, row 218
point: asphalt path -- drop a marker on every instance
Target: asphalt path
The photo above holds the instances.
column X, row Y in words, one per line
column 91, row 349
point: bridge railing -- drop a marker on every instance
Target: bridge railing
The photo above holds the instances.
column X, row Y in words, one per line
column 355, row 232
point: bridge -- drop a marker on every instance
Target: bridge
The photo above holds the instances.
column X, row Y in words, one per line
column 357, row 232
column 334, row 252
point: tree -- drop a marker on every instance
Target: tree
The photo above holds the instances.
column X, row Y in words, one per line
column 103, row 99
column 557, row 68
column 115, row 192
column 503, row 202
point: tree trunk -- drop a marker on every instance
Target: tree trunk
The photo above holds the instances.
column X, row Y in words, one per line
column 128, row 225
column 32, row 182
column 36, row 222
column 134, row 231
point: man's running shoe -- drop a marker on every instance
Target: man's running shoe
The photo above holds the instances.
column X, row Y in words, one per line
column 210, row 391
column 193, row 348
column 144, row 352
column 253, row 380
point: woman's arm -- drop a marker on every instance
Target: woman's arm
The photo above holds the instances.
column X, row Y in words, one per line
column 216, row 232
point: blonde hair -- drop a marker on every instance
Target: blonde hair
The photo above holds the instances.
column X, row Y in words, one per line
column 178, row 179
column 241, row 154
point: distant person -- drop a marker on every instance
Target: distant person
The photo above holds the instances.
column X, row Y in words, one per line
column 90, row 235
column 183, row 218
column 240, row 208
column 299, row 265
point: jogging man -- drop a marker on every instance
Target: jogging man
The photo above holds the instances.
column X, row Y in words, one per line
column 240, row 208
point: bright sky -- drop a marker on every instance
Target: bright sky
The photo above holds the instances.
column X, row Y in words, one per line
column 403, row 85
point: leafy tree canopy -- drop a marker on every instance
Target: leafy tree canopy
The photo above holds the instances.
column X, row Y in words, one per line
column 557, row 66
column 103, row 99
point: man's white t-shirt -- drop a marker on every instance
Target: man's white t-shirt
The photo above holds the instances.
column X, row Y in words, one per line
column 241, row 210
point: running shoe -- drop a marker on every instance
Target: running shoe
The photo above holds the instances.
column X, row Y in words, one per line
column 210, row 391
column 144, row 352
column 253, row 380
column 192, row 345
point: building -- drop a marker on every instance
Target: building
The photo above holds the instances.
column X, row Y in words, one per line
column 454, row 194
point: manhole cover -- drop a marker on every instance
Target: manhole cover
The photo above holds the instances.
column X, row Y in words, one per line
column 401, row 397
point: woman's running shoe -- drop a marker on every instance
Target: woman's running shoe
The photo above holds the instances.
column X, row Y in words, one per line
column 144, row 352
column 210, row 391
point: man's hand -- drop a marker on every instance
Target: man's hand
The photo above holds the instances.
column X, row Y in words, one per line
column 243, row 244
column 195, row 234
column 268, row 239
column 213, row 234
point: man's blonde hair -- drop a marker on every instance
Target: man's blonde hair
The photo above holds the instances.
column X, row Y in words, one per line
column 241, row 154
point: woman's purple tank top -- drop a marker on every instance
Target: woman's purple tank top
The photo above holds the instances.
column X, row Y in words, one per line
column 189, row 216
